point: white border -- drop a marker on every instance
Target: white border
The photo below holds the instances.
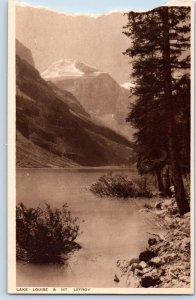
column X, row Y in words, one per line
column 12, row 178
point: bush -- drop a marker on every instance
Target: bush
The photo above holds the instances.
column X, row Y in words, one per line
column 44, row 235
column 119, row 186
column 142, row 188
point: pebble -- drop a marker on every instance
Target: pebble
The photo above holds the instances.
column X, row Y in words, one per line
column 116, row 279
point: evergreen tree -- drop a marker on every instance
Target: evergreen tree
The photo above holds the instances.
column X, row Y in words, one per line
column 160, row 43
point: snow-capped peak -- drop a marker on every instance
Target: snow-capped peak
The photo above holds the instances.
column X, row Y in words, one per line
column 68, row 68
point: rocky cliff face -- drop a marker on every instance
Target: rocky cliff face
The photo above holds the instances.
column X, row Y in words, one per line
column 97, row 91
column 102, row 97
column 97, row 41
column 53, row 130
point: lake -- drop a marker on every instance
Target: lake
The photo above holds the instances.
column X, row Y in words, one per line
column 112, row 229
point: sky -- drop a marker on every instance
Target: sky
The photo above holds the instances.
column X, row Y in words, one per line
column 96, row 6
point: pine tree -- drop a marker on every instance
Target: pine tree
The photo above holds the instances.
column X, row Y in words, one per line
column 160, row 68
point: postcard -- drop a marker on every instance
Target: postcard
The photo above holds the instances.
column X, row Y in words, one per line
column 100, row 149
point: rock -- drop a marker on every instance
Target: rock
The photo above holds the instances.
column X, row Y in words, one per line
column 182, row 220
column 167, row 285
column 116, row 279
column 147, row 269
column 156, row 261
column 138, row 267
column 158, row 205
column 143, row 264
column 143, row 210
column 184, row 278
column 167, row 203
column 172, row 189
column 135, row 266
column 160, row 212
column 185, row 243
column 169, row 257
column 148, row 206
column 187, row 215
column 118, row 263
column 153, row 272
column 148, row 281
column 138, row 273
column 175, row 232
column 134, row 260
column 166, row 262
column 168, row 220
column 173, row 211
column 175, row 282
column 147, row 255
column 161, row 237
column 152, row 242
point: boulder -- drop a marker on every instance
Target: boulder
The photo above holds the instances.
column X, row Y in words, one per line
column 159, row 205
column 147, row 255
column 138, row 273
column 134, row 260
column 143, row 264
column 135, row 266
column 156, row 261
column 152, row 242
column 148, row 281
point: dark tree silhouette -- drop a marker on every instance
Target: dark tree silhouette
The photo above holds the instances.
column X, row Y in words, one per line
column 160, row 52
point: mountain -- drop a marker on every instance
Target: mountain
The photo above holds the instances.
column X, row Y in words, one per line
column 97, row 91
column 53, row 129
column 101, row 96
column 25, row 53
column 96, row 41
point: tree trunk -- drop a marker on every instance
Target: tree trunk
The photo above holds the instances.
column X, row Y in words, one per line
column 167, row 181
column 159, row 180
column 180, row 194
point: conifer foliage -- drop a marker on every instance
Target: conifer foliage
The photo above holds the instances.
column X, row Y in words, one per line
column 160, row 59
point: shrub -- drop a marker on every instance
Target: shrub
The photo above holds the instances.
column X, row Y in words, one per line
column 142, row 189
column 119, row 186
column 45, row 235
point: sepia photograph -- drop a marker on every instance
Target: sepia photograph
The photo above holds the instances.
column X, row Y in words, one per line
column 100, row 156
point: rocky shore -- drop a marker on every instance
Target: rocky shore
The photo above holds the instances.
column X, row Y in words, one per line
column 165, row 263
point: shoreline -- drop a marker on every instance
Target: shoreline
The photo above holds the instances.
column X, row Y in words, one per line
column 104, row 168
column 165, row 263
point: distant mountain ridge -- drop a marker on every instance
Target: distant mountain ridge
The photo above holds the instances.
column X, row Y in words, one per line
column 53, row 129
column 96, row 41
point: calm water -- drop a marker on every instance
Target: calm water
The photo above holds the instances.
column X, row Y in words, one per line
column 112, row 229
